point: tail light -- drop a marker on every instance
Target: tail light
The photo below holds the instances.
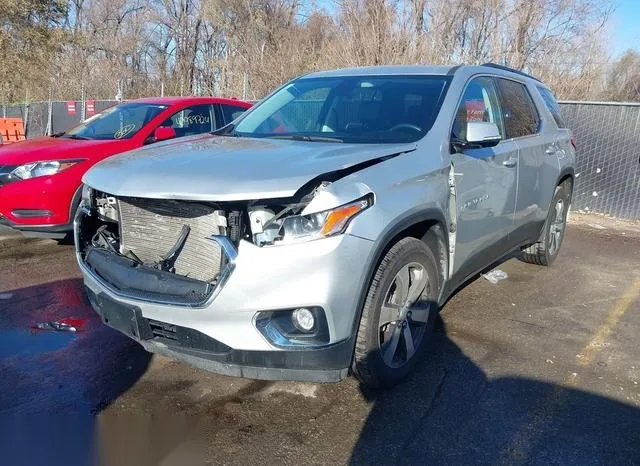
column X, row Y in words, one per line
column 574, row 142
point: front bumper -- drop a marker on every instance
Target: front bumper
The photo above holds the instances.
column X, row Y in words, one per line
column 39, row 207
column 39, row 231
column 327, row 273
column 327, row 364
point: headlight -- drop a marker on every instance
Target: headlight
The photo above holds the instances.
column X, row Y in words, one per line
column 36, row 169
column 296, row 228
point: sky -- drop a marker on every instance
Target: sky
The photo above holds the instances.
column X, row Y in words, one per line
column 625, row 26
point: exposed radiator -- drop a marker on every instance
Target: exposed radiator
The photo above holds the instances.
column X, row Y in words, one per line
column 150, row 227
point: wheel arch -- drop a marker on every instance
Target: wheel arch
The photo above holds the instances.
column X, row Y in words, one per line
column 429, row 226
column 567, row 173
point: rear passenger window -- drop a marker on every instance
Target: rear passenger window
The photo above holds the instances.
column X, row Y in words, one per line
column 231, row 112
column 479, row 103
column 518, row 110
column 552, row 105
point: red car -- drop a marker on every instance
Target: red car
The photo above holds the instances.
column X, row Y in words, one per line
column 40, row 179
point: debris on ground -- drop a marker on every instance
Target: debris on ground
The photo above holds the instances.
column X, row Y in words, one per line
column 63, row 325
column 495, row 275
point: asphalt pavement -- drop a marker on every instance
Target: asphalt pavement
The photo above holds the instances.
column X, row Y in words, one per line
column 541, row 368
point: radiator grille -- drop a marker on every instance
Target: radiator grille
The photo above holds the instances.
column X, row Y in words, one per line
column 150, row 227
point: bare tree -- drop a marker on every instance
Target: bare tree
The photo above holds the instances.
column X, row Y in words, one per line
column 248, row 47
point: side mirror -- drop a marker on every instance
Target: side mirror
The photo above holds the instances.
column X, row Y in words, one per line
column 482, row 134
column 162, row 133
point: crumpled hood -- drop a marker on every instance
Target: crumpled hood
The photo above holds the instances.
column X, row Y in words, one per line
column 214, row 168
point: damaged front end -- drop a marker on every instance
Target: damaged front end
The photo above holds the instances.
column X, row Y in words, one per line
column 181, row 252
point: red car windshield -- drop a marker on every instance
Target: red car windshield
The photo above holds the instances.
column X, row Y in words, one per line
column 122, row 121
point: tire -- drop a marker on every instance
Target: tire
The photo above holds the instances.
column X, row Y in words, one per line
column 545, row 251
column 383, row 355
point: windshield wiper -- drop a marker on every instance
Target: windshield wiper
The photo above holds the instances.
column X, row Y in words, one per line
column 80, row 138
column 57, row 135
column 304, row 137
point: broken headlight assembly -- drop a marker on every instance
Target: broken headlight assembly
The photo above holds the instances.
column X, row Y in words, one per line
column 291, row 226
column 86, row 200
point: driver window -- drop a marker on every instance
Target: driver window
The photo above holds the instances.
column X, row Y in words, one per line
column 479, row 103
column 196, row 119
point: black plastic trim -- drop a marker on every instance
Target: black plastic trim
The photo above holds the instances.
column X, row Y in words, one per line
column 136, row 280
column 566, row 171
column 31, row 213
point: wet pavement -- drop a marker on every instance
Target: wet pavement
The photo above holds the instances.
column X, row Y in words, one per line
column 541, row 368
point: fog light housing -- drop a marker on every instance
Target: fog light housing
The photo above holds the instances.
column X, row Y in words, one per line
column 303, row 319
column 299, row 327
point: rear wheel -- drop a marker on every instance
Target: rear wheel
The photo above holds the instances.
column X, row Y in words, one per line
column 545, row 251
column 398, row 314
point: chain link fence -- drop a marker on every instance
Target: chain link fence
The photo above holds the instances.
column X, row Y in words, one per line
column 608, row 157
column 45, row 118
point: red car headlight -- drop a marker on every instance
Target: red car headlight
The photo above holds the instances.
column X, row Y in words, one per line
column 45, row 168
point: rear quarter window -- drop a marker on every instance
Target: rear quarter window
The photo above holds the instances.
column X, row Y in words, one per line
column 551, row 103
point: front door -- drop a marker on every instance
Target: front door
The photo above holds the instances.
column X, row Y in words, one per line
column 485, row 182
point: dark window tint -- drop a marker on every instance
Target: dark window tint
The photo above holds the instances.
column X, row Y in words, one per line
column 197, row 119
column 231, row 112
column 552, row 105
column 518, row 111
column 479, row 103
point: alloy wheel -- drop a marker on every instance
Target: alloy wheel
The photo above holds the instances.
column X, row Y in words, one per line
column 404, row 315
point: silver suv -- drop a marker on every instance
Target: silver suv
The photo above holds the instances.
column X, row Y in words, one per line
column 320, row 232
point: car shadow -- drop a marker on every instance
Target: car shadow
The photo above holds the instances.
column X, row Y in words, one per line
column 450, row 412
column 53, row 383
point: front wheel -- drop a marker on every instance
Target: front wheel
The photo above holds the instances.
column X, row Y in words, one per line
column 398, row 314
column 545, row 251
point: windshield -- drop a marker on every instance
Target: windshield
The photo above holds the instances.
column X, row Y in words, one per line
column 355, row 109
column 118, row 122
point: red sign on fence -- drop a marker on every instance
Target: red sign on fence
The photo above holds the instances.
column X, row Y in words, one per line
column 91, row 107
column 71, row 108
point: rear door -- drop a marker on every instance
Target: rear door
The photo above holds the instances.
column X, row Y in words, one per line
column 486, row 181
column 537, row 160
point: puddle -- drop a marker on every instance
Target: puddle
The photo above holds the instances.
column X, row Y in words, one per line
column 30, row 342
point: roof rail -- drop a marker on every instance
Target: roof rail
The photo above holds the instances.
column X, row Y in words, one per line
column 512, row 70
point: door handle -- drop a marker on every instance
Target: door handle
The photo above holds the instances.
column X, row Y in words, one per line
column 550, row 150
column 510, row 162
